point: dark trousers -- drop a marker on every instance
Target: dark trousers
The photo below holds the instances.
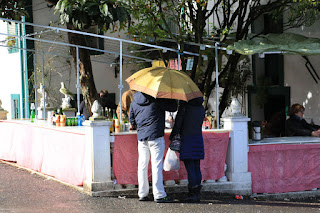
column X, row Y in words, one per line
column 194, row 173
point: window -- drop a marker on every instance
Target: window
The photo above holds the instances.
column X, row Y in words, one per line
column 12, row 41
column 15, row 106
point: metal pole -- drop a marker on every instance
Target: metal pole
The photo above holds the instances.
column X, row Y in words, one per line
column 120, row 85
column 43, row 90
column 22, row 72
column 35, row 84
column 25, row 72
column 78, row 83
column 179, row 57
column 217, row 84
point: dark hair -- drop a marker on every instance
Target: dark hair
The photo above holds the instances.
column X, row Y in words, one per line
column 103, row 93
column 295, row 108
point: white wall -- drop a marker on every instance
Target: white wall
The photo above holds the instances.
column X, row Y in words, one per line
column 10, row 70
column 304, row 89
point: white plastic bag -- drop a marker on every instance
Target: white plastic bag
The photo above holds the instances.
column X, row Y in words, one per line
column 171, row 161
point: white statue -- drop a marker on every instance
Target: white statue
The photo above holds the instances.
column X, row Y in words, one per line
column 235, row 107
column 96, row 109
column 44, row 96
column 1, row 109
column 68, row 96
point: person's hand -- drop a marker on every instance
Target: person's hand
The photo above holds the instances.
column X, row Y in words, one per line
column 132, row 127
column 315, row 133
column 171, row 121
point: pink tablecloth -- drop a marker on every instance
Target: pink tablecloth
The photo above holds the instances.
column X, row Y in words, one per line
column 53, row 152
column 284, row 167
column 125, row 163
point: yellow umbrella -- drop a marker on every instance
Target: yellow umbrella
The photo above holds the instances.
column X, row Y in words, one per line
column 162, row 82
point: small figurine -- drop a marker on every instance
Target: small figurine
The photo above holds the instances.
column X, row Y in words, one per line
column 44, row 96
column 1, row 106
column 96, row 109
column 235, row 108
column 68, row 96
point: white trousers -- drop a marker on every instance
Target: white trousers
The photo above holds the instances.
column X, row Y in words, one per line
column 155, row 149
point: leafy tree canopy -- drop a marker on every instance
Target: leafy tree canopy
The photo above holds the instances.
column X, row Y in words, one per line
column 186, row 22
column 12, row 9
column 80, row 15
column 84, row 13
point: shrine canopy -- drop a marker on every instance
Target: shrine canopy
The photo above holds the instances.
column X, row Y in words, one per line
column 287, row 43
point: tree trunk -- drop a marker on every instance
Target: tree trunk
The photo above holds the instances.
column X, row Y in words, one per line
column 206, row 82
column 88, row 87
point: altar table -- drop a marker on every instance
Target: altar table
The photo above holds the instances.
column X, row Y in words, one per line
column 55, row 151
column 125, row 162
column 289, row 164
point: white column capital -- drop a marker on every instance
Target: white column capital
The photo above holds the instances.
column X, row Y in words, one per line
column 236, row 119
column 97, row 123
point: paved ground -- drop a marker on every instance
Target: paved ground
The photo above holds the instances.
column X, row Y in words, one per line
column 23, row 192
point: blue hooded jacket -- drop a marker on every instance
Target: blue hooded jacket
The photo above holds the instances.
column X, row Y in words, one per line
column 188, row 124
column 148, row 114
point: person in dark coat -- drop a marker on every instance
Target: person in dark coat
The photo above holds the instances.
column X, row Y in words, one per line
column 148, row 115
column 297, row 126
column 83, row 110
column 105, row 102
column 188, row 124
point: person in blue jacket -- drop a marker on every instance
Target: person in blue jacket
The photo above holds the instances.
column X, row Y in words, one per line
column 147, row 114
column 188, row 124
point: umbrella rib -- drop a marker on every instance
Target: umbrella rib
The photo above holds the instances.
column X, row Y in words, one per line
column 152, row 81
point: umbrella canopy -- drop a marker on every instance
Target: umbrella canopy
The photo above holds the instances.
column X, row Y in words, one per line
column 162, row 82
column 288, row 43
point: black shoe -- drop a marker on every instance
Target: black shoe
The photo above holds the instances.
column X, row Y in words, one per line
column 193, row 199
column 144, row 199
column 194, row 194
column 164, row 200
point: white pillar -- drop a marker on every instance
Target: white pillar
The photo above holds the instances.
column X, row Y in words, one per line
column 97, row 157
column 237, row 155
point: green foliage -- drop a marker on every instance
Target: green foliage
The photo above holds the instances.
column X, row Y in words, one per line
column 84, row 13
column 303, row 12
column 242, row 74
column 12, row 9
column 186, row 21
column 160, row 19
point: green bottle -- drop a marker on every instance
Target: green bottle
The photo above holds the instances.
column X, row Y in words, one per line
column 33, row 113
column 114, row 114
